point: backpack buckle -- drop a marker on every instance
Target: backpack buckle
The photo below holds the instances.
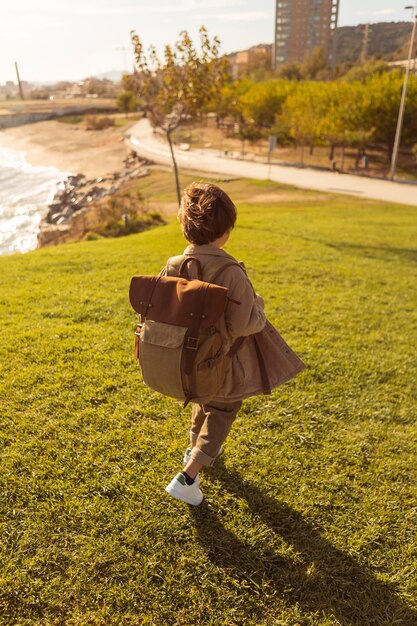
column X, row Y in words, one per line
column 192, row 343
column 139, row 326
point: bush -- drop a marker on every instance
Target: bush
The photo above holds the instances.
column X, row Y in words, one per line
column 40, row 94
column 124, row 214
column 127, row 102
column 126, row 226
column 98, row 123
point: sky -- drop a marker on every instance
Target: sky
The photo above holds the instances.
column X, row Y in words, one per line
column 71, row 39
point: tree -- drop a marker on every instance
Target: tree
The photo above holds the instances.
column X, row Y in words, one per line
column 181, row 86
column 383, row 103
column 127, row 102
column 363, row 72
column 291, row 71
column 328, row 113
column 302, row 114
column 343, row 119
column 43, row 93
column 229, row 100
column 248, row 132
column 104, row 87
column 262, row 102
column 316, row 65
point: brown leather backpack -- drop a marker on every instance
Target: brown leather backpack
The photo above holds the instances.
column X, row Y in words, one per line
column 178, row 345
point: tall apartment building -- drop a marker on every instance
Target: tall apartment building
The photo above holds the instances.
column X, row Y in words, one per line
column 301, row 26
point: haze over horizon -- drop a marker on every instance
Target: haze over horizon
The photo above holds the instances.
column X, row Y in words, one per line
column 57, row 40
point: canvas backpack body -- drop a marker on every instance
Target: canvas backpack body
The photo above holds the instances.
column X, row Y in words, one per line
column 179, row 347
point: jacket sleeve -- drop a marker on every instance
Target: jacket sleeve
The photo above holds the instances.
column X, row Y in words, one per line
column 244, row 314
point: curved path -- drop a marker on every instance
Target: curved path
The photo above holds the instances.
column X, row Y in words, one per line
column 148, row 145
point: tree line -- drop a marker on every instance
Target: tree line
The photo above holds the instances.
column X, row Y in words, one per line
column 354, row 113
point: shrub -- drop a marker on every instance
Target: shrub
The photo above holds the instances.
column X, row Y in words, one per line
column 124, row 214
column 126, row 226
column 98, row 123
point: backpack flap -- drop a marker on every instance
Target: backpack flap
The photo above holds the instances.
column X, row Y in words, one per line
column 189, row 303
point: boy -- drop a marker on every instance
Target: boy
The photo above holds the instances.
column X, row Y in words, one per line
column 207, row 216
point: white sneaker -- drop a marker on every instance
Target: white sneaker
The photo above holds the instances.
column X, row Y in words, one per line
column 178, row 488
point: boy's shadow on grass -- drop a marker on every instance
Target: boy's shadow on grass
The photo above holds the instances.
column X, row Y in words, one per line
column 321, row 578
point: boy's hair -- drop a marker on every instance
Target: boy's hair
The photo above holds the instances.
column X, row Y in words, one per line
column 206, row 213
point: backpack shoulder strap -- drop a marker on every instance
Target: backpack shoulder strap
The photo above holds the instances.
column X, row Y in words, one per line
column 173, row 265
column 216, row 267
column 177, row 265
column 186, row 261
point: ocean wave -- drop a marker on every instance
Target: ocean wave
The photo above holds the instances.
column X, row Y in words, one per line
column 25, row 192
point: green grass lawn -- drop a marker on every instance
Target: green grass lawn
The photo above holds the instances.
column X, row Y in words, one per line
column 309, row 517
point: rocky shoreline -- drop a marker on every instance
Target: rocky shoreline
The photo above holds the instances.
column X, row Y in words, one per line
column 75, row 208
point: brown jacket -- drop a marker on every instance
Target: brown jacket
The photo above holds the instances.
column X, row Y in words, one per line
column 244, row 318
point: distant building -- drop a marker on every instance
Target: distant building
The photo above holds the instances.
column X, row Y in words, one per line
column 301, row 26
column 74, row 90
column 256, row 56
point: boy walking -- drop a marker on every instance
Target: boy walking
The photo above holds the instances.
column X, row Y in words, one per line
column 262, row 360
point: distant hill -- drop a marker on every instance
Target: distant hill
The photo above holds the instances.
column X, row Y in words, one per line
column 114, row 75
column 387, row 40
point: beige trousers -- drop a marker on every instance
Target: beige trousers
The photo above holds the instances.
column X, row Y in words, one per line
column 210, row 425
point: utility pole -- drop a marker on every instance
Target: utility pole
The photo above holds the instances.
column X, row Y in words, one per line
column 364, row 54
column 391, row 174
column 22, row 95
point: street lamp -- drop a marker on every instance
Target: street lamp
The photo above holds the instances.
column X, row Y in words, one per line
column 403, row 97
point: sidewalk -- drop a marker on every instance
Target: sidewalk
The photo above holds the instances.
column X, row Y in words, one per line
column 147, row 145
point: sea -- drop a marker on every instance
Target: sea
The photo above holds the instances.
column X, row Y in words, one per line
column 25, row 193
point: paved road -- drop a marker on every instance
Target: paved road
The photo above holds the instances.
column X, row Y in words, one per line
column 142, row 140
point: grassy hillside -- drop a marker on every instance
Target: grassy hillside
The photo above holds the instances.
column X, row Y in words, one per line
column 310, row 516
column 386, row 40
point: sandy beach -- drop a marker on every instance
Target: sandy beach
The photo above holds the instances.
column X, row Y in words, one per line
column 100, row 162
column 69, row 147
